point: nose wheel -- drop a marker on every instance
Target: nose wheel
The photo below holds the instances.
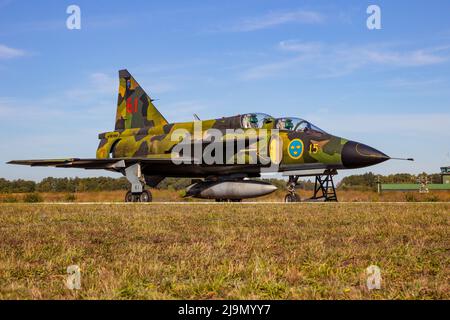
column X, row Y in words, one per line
column 144, row 196
column 292, row 196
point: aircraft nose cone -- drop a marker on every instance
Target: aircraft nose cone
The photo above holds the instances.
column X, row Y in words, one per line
column 358, row 155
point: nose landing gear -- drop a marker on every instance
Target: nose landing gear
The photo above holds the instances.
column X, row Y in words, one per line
column 292, row 196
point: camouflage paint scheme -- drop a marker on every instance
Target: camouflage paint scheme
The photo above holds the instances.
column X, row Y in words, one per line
column 143, row 136
column 145, row 133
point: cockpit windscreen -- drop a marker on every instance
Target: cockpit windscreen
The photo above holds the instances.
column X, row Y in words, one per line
column 255, row 120
column 296, row 124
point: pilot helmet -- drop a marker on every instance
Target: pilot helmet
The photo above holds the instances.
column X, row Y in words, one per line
column 288, row 124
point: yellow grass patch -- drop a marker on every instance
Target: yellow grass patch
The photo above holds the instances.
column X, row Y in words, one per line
column 224, row 251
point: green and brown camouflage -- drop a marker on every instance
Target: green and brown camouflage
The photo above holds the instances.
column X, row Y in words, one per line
column 141, row 131
column 135, row 108
column 157, row 140
column 145, row 147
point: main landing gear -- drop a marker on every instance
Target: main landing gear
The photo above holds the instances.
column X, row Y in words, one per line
column 144, row 196
column 324, row 189
column 137, row 192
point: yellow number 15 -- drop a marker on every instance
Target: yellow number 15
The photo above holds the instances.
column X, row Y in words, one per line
column 314, row 148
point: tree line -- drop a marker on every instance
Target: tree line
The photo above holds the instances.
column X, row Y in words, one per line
column 72, row 185
column 369, row 180
column 50, row 184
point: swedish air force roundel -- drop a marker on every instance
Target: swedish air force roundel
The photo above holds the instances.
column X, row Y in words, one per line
column 295, row 148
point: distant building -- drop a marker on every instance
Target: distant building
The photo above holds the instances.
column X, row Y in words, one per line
column 421, row 186
column 445, row 174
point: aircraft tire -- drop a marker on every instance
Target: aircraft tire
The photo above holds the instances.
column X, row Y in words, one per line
column 292, row 197
column 145, row 196
column 129, row 197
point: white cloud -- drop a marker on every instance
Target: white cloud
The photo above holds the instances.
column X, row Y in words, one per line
column 9, row 53
column 274, row 19
column 324, row 61
column 94, row 101
column 301, row 47
column 98, row 84
column 412, row 58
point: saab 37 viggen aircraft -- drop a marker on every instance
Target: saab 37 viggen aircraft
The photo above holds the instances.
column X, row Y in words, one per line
column 222, row 155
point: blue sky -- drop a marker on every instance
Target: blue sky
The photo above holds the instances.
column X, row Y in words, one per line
column 317, row 60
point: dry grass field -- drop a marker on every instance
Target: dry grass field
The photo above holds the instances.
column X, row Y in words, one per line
column 225, row 251
column 278, row 196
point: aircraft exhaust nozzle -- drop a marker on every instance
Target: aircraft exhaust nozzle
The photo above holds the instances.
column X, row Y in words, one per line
column 358, row 155
column 232, row 190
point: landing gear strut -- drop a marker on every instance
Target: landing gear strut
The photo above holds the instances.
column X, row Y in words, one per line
column 324, row 189
column 292, row 196
column 137, row 192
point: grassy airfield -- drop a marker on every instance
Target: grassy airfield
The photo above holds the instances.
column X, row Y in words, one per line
column 225, row 251
column 278, row 196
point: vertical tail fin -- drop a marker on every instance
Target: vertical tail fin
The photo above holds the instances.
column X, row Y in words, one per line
column 134, row 107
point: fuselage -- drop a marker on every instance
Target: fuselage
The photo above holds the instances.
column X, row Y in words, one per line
column 146, row 148
column 279, row 149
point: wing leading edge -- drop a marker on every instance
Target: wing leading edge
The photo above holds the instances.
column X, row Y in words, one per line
column 116, row 164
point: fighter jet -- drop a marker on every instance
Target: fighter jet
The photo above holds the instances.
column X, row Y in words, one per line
column 220, row 155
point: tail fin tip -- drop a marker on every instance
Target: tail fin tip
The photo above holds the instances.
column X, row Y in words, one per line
column 124, row 73
column 134, row 107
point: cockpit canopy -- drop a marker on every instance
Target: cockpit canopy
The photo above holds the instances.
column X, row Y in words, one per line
column 255, row 120
column 296, row 124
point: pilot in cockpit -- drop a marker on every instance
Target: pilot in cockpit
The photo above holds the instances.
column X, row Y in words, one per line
column 250, row 121
column 288, row 124
column 285, row 124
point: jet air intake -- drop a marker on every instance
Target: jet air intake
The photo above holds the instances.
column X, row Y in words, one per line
column 231, row 190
